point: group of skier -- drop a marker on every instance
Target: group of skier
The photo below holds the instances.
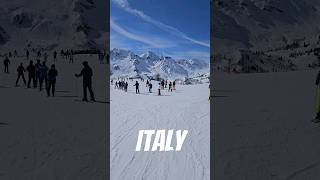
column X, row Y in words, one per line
column 39, row 74
column 123, row 85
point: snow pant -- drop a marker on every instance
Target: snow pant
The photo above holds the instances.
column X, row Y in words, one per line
column 137, row 91
column 159, row 92
column 24, row 79
column 52, row 87
column 6, row 68
column 41, row 79
column 150, row 90
column 89, row 87
column 37, row 79
column 32, row 77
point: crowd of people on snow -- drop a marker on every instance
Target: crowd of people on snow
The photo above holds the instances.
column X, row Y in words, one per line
column 162, row 85
column 39, row 73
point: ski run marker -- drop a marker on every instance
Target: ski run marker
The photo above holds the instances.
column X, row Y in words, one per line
column 161, row 141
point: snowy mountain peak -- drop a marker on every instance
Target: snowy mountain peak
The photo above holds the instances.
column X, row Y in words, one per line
column 125, row 63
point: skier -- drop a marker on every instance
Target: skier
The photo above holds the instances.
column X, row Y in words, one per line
column 159, row 89
column 39, row 54
column 126, row 87
column 37, row 66
column 174, row 85
column 21, row 71
column 170, row 87
column 137, row 87
column 150, row 87
column 116, row 85
column 6, row 63
column 43, row 73
column 52, row 76
column 86, row 73
column 55, row 56
column 15, row 54
column 31, row 74
column 27, row 54
column 147, row 83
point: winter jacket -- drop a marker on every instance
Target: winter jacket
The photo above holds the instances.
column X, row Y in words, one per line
column 52, row 74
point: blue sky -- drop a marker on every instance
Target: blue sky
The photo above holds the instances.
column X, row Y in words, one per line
column 177, row 28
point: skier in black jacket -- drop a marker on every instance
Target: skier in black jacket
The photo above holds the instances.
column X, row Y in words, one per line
column 21, row 71
column 31, row 74
column 6, row 63
column 86, row 74
column 52, row 75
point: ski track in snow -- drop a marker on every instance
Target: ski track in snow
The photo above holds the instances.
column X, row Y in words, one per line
column 188, row 109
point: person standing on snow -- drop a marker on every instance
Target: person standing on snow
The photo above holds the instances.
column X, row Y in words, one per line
column 6, row 63
column 43, row 73
column 159, row 89
column 27, row 54
column 174, row 85
column 150, row 87
column 170, row 87
column 37, row 66
column 21, row 71
column 86, row 74
column 52, row 76
column 126, row 87
column 137, row 87
column 55, row 56
column 31, row 74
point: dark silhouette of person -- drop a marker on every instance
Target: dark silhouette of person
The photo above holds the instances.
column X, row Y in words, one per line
column 52, row 76
column 27, row 54
column 55, row 56
column 150, row 87
column 31, row 74
column 43, row 72
column 37, row 66
column 21, row 71
column 137, row 87
column 6, row 63
column 86, row 74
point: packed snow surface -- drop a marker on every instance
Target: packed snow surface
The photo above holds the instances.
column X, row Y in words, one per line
column 262, row 126
column 187, row 108
column 54, row 137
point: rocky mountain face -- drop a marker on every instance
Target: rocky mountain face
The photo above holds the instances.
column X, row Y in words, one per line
column 48, row 24
column 265, row 35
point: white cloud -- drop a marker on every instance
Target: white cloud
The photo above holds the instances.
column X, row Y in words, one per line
column 124, row 4
column 151, row 42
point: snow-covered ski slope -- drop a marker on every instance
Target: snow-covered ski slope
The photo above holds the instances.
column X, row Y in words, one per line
column 262, row 126
column 54, row 137
column 186, row 109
